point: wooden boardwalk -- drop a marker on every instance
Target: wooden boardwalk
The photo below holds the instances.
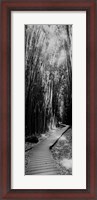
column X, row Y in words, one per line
column 41, row 161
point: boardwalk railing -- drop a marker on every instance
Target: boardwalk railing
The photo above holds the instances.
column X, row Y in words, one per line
column 62, row 132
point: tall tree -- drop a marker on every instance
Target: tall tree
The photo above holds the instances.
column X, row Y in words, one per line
column 48, row 76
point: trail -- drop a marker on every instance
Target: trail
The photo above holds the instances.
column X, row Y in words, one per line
column 41, row 161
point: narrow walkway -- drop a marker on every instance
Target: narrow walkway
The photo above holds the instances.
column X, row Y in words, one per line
column 41, row 161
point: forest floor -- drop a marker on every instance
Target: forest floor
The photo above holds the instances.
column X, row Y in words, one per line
column 62, row 153
column 41, row 137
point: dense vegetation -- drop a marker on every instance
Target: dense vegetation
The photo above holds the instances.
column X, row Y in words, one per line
column 48, row 77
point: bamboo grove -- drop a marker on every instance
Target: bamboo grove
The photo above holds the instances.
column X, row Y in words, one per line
column 48, row 77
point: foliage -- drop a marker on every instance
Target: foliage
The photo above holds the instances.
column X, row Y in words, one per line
column 48, row 77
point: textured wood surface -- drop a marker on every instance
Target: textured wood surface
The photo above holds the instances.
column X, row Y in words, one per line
column 40, row 157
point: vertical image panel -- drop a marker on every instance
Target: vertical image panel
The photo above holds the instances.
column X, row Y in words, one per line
column 48, row 99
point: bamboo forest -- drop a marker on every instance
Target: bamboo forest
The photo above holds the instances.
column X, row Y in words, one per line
column 48, row 80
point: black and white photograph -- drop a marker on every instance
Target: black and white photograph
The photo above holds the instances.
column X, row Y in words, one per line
column 48, row 99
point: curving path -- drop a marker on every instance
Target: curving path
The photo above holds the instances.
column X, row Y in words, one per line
column 41, row 161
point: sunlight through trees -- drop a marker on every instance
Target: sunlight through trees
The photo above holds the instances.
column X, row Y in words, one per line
column 48, row 77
